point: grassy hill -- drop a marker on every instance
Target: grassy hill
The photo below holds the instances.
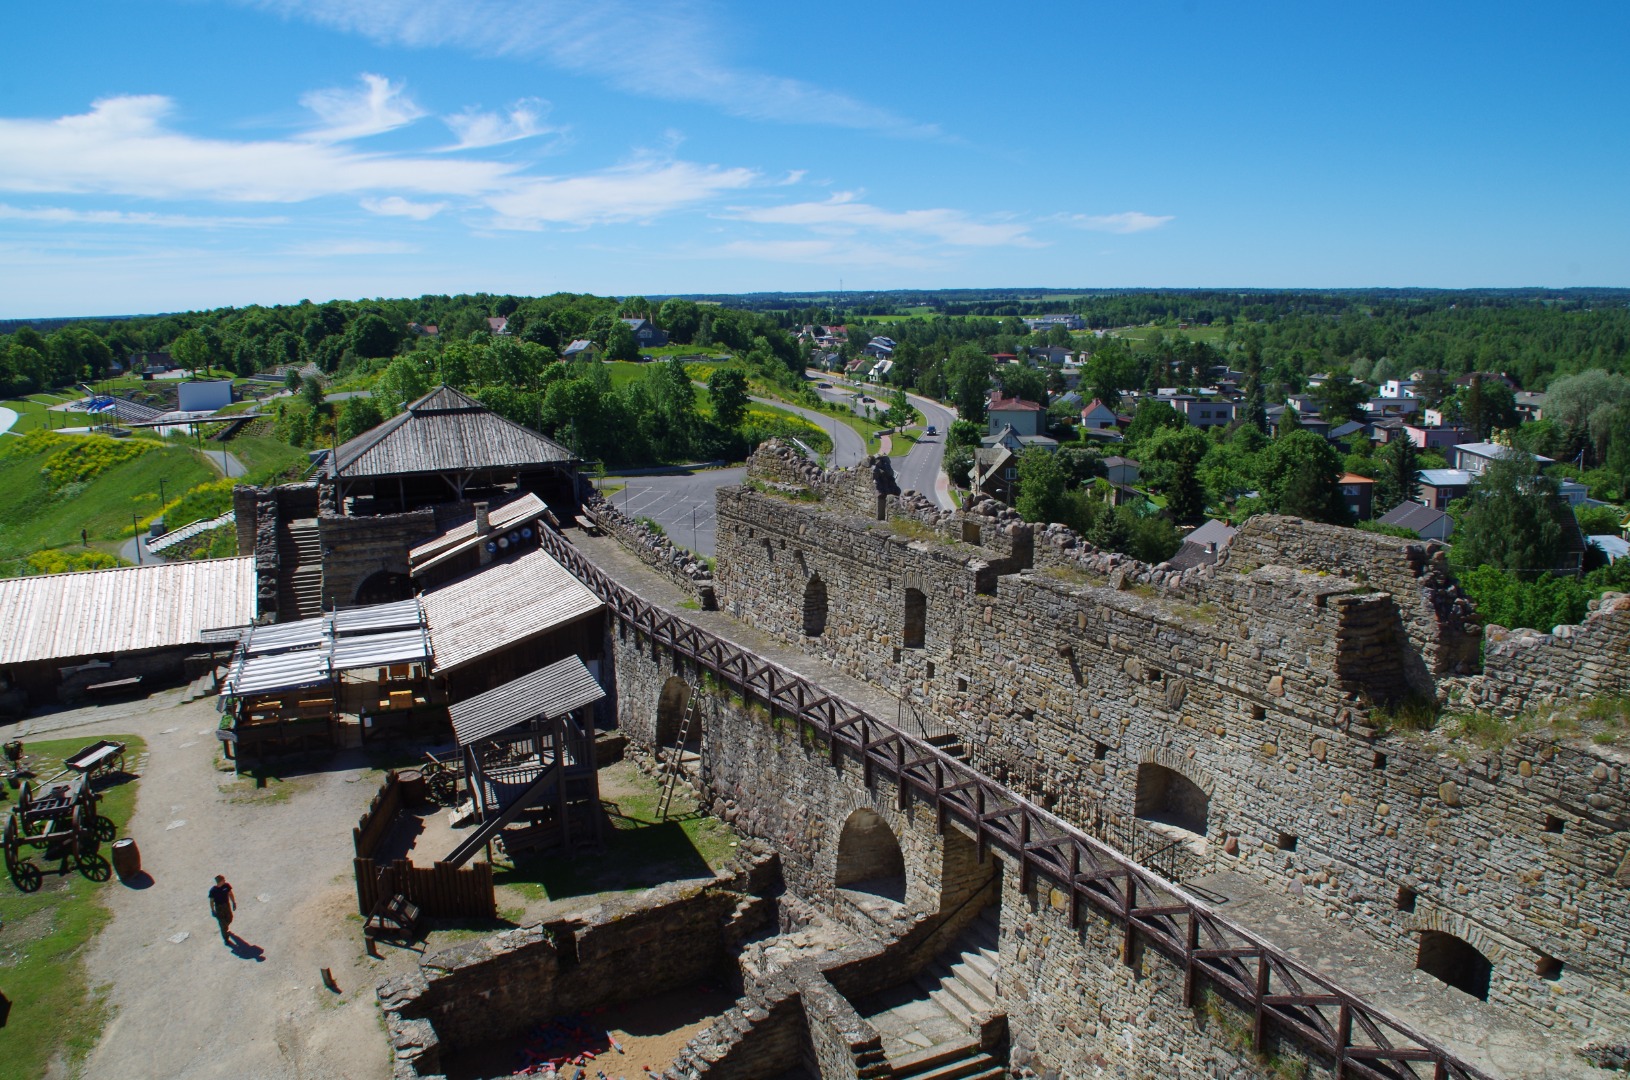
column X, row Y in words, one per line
column 52, row 486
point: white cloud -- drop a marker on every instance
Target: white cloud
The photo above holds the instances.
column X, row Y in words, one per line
column 842, row 214
column 1130, row 221
column 634, row 192
column 59, row 215
column 122, row 147
column 475, row 129
column 671, row 51
column 378, row 106
column 324, row 249
column 396, row 206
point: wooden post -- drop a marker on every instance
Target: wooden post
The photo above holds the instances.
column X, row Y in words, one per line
column 1131, row 925
column 1259, row 1023
column 1344, row 1036
column 1192, row 944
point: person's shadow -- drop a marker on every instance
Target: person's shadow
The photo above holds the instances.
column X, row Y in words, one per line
column 243, row 950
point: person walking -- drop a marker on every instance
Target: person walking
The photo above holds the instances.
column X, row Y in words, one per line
column 221, row 905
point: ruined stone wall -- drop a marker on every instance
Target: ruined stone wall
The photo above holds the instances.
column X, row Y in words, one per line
column 683, row 567
column 1529, row 668
column 356, row 548
column 1069, row 681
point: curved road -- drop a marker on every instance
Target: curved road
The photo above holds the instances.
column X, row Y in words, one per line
column 848, row 448
column 922, row 468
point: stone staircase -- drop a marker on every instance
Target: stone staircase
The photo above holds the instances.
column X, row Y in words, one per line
column 929, row 1026
column 300, row 571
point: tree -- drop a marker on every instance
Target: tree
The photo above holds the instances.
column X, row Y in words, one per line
column 1171, row 458
column 1022, row 382
column 620, row 343
column 681, row 318
column 1300, row 474
column 1041, row 486
column 291, row 380
column 959, row 465
column 311, row 392
column 1340, row 398
column 1397, row 480
column 967, row 379
column 191, row 350
column 403, row 381
column 1152, row 416
column 372, row 337
column 1511, row 518
column 964, row 433
column 727, row 387
column 356, row 416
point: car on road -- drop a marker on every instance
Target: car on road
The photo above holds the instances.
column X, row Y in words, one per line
column 868, row 401
column 931, row 430
column 823, row 386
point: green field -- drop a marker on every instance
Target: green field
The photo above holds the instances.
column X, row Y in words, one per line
column 42, row 964
column 36, row 513
column 268, row 460
column 1211, row 335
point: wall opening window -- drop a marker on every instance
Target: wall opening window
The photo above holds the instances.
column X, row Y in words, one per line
column 916, row 627
column 815, row 607
column 1167, row 796
column 869, row 858
column 1455, row 961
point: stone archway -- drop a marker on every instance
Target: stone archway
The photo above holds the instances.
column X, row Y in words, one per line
column 1167, row 796
column 815, row 606
column 1455, row 961
column 671, row 710
column 869, row 857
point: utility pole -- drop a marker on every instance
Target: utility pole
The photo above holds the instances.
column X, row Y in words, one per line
column 135, row 530
column 161, row 495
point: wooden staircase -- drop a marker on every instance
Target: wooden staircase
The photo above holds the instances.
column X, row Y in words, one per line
column 300, row 571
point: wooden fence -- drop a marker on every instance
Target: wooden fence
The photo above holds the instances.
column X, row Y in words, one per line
column 380, row 816
column 1364, row 1041
column 441, row 891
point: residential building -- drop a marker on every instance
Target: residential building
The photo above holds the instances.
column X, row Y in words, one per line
column 1047, row 322
column 1358, row 495
column 1423, row 521
column 1098, row 417
column 1440, row 487
column 1017, row 442
column 1398, row 388
column 1436, row 437
column 1475, row 457
column 1352, row 429
column 1384, row 406
column 581, row 349
column 1202, row 412
column 880, row 347
column 995, row 472
column 1202, row 546
column 646, row 334
column 1024, row 417
column 1530, row 406
column 498, row 325
column 1121, row 471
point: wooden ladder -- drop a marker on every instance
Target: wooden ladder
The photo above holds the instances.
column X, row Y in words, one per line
column 675, row 765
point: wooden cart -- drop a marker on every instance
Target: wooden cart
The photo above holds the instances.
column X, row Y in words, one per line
column 59, row 818
column 442, row 774
column 98, row 759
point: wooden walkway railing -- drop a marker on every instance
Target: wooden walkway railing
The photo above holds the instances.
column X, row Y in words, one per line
column 1361, row 1040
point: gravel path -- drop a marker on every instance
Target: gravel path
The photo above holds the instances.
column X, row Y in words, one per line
column 184, row 1005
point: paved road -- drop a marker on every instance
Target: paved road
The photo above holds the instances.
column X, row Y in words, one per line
column 682, row 503
column 920, row 470
column 848, row 447
column 227, row 462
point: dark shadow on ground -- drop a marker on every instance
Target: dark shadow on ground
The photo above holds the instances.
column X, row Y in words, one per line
column 245, row 951
column 141, row 879
column 638, row 853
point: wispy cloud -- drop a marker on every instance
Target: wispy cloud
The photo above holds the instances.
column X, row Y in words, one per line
column 637, row 191
column 475, row 129
column 324, row 249
column 59, row 215
column 396, row 206
column 681, row 50
column 1131, row 221
column 843, row 214
column 825, row 253
column 377, row 106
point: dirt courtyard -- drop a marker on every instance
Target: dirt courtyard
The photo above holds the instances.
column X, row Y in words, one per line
column 181, row 1003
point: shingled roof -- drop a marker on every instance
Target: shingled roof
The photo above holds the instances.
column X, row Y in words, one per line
column 445, row 431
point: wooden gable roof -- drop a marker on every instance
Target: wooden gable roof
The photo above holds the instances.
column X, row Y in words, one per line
column 445, row 431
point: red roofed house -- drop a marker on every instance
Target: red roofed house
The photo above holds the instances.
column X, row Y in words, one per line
column 1025, row 417
column 1098, row 417
column 1358, row 493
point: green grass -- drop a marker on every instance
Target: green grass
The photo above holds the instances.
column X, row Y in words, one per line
column 1211, row 335
column 35, row 516
column 640, row 851
column 42, row 952
column 268, row 460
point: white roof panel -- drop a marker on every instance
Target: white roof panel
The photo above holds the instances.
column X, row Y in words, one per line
column 500, row 604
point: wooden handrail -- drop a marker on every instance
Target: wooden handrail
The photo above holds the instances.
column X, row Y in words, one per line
column 1183, row 927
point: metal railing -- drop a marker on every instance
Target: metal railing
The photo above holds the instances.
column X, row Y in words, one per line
column 1362, row 1040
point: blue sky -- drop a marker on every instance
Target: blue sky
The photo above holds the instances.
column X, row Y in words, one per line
column 170, row 154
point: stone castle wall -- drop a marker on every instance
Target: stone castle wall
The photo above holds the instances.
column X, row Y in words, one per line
column 1251, row 679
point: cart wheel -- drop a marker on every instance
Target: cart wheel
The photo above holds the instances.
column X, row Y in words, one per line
column 84, row 841
column 14, row 846
column 106, row 831
column 27, row 877
column 95, row 867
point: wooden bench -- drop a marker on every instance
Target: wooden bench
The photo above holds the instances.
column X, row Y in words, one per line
column 588, row 525
column 399, row 918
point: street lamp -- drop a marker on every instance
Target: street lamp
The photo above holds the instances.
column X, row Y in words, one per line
column 161, row 494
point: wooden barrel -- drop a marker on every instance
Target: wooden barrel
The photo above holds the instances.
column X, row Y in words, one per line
column 126, row 859
column 414, row 787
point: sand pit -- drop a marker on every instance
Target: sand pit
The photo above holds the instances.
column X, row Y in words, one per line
column 651, row 1033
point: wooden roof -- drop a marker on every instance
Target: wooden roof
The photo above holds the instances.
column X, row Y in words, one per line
column 494, row 607
column 548, row 692
column 444, row 431
column 123, row 610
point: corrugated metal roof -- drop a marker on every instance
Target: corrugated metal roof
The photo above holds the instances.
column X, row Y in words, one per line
column 377, row 650
column 375, row 617
column 281, row 637
column 279, row 671
column 548, row 692
column 444, row 431
column 501, row 517
column 128, row 609
column 500, row 604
